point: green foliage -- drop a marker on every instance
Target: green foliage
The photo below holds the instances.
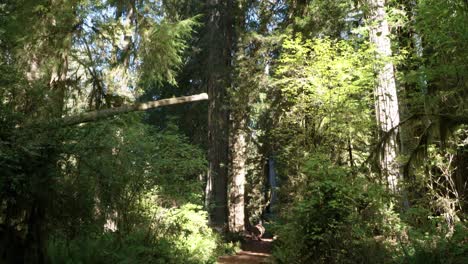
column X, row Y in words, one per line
column 191, row 234
column 442, row 25
column 436, row 248
column 183, row 164
column 85, row 190
column 176, row 235
column 324, row 76
column 120, row 161
column 162, row 48
column 330, row 220
column 322, row 17
column 341, row 217
column 126, row 176
column 137, row 247
column 322, row 100
column 335, row 211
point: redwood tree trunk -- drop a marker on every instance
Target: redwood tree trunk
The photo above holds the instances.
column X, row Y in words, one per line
column 218, row 37
column 237, row 173
column 386, row 101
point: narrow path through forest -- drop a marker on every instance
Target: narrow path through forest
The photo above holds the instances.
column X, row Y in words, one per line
column 253, row 251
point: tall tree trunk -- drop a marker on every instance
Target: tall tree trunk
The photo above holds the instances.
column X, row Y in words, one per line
column 218, row 67
column 238, row 137
column 386, row 103
column 237, row 173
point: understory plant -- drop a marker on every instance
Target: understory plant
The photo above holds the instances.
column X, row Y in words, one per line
column 340, row 216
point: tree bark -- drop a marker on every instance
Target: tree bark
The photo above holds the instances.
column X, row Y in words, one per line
column 218, row 37
column 386, row 103
column 237, row 174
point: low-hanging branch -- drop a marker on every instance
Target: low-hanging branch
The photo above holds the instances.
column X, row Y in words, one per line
column 101, row 114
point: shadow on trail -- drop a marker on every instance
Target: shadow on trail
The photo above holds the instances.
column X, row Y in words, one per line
column 253, row 251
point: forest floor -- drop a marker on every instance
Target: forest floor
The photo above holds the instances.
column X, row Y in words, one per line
column 253, row 252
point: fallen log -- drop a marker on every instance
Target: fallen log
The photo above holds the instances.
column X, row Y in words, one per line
column 104, row 113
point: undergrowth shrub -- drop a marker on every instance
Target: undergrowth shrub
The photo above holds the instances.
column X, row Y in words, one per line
column 434, row 246
column 176, row 235
column 325, row 223
column 132, row 197
column 338, row 216
column 135, row 247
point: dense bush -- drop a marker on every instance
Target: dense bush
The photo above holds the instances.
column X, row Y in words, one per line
column 326, row 223
column 133, row 196
column 173, row 236
column 339, row 217
column 435, row 247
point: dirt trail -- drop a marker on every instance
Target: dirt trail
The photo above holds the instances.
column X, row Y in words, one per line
column 253, row 252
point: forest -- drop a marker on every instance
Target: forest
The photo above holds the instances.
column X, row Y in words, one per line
column 183, row 131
